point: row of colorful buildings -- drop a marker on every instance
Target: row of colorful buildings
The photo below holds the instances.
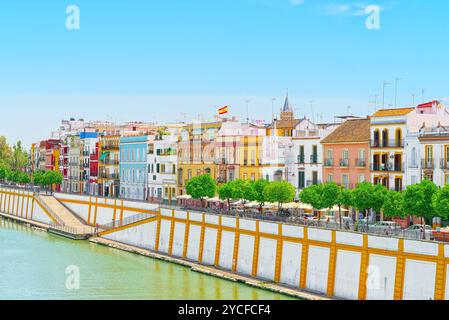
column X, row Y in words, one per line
column 153, row 162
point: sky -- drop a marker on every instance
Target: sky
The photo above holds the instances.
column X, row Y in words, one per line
column 170, row 60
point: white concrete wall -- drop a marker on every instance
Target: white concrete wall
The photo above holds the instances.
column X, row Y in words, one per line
column 318, row 269
column 419, row 276
column 142, row 236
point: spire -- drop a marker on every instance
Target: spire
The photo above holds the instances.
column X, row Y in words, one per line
column 287, row 107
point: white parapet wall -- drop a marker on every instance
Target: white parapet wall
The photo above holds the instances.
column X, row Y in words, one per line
column 22, row 204
column 95, row 210
column 341, row 264
column 335, row 263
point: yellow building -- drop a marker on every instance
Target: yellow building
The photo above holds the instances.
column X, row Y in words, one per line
column 196, row 152
column 239, row 150
column 108, row 165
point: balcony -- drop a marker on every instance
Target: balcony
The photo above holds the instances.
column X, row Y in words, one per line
column 110, row 147
column 444, row 164
column 387, row 143
column 314, row 159
column 111, row 162
column 110, row 176
column 301, row 159
column 388, row 167
column 427, row 164
column 328, row 162
column 344, row 163
column 360, row 163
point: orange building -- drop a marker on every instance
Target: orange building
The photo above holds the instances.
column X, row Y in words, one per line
column 346, row 154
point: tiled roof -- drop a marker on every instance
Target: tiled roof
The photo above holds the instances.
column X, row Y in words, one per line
column 350, row 131
column 393, row 112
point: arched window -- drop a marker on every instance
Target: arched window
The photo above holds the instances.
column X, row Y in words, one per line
column 398, row 137
column 376, row 142
column 385, row 138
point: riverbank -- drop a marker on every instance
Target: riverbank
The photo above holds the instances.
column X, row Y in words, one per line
column 211, row 271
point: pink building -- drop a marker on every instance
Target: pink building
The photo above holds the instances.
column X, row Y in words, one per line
column 346, row 154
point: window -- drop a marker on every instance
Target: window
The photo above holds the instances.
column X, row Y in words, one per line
column 314, row 177
column 330, row 177
column 413, row 158
column 361, row 178
column 301, row 180
column 385, row 138
column 398, row 136
column 345, row 180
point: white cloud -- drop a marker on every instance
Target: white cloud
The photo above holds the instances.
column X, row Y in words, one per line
column 337, row 9
column 297, row 2
column 353, row 9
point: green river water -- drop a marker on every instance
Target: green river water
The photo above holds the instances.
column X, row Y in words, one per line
column 33, row 265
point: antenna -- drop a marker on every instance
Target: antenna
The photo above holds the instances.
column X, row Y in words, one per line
column 385, row 84
column 413, row 99
column 311, row 109
column 423, row 91
column 396, row 91
column 247, row 110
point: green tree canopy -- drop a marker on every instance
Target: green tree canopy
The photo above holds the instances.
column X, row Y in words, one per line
column 313, row 195
column 201, row 186
column 279, row 191
column 5, row 172
column 37, row 178
column 394, row 204
column 225, row 192
column 440, row 202
column 418, row 199
column 258, row 189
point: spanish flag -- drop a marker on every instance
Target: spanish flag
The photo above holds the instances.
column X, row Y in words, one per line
column 223, row 110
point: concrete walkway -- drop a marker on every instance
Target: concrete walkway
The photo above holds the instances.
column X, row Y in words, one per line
column 65, row 215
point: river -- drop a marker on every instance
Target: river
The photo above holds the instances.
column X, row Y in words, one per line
column 38, row 265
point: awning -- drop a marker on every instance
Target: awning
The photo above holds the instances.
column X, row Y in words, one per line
column 104, row 155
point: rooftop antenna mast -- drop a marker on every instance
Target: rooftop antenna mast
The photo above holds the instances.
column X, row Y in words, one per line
column 385, row 84
column 311, row 109
column 247, row 110
column 396, row 91
column 413, row 99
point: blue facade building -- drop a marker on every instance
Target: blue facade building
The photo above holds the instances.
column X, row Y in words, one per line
column 133, row 167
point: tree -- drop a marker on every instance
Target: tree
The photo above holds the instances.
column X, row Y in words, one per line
column 378, row 197
column 37, row 178
column 202, row 186
column 279, row 191
column 225, row 193
column 24, row 178
column 258, row 189
column 19, row 158
column 339, row 196
column 394, row 204
column 313, row 195
column 418, row 200
column 362, row 198
column 5, row 172
column 49, row 178
column 440, row 202
column 5, row 152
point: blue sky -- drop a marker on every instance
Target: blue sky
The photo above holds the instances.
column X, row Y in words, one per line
column 153, row 60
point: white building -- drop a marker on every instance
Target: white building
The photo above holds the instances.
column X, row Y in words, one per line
column 434, row 153
column 395, row 147
column 162, row 167
column 304, row 163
